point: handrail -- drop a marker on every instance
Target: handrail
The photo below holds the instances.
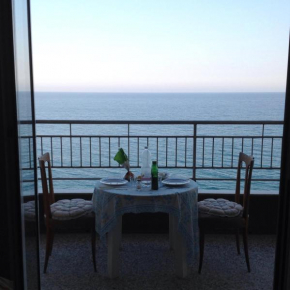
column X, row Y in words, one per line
column 158, row 122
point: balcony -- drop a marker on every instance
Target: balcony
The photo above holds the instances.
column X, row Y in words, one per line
column 206, row 151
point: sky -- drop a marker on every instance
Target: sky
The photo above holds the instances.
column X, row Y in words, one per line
column 160, row 45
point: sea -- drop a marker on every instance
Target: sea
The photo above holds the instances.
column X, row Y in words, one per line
column 169, row 107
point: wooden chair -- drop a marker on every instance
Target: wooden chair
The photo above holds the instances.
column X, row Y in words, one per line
column 238, row 221
column 64, row 211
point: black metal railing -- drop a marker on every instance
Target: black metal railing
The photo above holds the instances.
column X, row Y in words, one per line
column 204, row 149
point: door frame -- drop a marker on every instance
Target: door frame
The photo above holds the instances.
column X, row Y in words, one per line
column 11, row 200
column 10, row 204
column 282, row 256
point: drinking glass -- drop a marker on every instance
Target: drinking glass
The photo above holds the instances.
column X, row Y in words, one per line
column 132, row 181
column 138, row 184
column 159, row 181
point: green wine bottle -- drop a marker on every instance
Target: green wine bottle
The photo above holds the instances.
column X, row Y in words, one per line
column 154, row 176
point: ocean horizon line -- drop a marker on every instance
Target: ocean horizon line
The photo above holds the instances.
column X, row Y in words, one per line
column 149, row 93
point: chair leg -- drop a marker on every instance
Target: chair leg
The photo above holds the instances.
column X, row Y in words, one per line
column 238, row 241
column 93, row 239
column 201, row 250
column 245, row 239
column 49, row 237
column 51, row 242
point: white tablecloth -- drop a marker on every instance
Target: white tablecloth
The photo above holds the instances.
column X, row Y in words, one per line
column 112, row 202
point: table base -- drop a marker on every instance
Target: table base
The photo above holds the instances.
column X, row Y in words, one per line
column 176, row 242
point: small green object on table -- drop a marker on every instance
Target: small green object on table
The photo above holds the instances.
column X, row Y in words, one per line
column 123, row 160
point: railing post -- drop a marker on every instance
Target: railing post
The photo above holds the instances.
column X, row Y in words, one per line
column 262, row 145
column 129, row 141
column 70, row 138
column 29, row 144
column 194, row 153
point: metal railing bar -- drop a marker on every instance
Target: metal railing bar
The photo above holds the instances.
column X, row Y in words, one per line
column 212, row 153
column 160, row 167
column 81, row 155
column 233, row 167
column 138, row 153
column 223, row 148
column 242, row 144
column 70, row 132
column 100, row 160
column 166, row 150
column 90, row 151
column 176, row 152
column 252, row 151
column 232, row 151
column 164, row 122
column 109, row 151
column 51, row 150
column 236, row 136
column 157, row 149
column 194, row 153
column 154, row 136
column 203, row 152
column 272, row 146
column 234, row 179
column 185, row 145
column 61, row 154
column 128, row 134
column 262, row 146
column 197, row 179
column 29, row 148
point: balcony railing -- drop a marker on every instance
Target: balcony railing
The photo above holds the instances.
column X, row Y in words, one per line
column 206, row 151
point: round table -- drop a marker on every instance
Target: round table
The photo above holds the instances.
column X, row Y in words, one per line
column 110, row 203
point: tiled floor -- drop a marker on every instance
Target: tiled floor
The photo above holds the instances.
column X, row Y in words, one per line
column 147, row 263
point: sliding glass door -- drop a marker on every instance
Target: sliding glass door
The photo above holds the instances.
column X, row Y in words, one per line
column 26, row 135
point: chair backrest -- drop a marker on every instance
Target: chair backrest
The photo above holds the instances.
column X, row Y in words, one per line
column 249, row 164
column 47, row 184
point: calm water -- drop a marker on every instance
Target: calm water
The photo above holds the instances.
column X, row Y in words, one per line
column 203, row 106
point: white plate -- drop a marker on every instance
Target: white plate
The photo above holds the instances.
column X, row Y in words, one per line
column 175, row 181
column 113, row 181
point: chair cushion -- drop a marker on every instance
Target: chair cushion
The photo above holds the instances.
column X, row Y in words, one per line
column 29, row 210
column 220, row 207
column 67, row 209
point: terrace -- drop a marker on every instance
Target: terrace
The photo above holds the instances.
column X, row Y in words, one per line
column 206, row 151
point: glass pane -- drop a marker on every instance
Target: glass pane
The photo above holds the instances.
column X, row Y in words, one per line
column 25, row 106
